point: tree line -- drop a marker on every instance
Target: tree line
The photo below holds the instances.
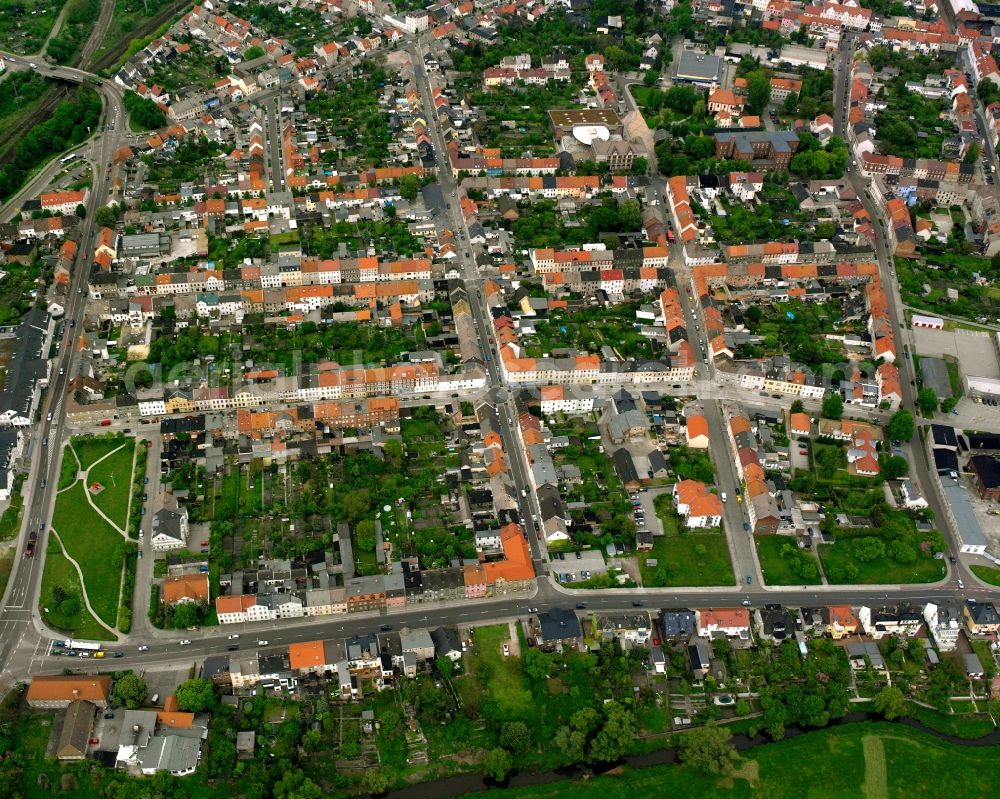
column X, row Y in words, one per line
column 68, row 126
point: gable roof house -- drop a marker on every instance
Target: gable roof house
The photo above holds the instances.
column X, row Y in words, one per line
column 446, row 643
column 75, row 734
column 61, row 691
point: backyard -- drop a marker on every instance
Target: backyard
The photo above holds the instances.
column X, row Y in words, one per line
column 590, row 328
column 685, row 558
column 796, row 329
column 507, row 686
column 290, row 511
column 941, row 269
column 606, row 503
column 24, row 24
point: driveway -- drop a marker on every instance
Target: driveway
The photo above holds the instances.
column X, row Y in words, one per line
column 647, row 497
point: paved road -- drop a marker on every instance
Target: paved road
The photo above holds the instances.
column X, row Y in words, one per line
column 18, row 625
column 918, row 463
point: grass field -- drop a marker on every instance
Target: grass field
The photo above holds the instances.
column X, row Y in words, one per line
column 90, row 449
column 6, row 565
column 988, row 574
column 777, row 569
column 115, row 474
column 10, row 521
column 91, row 542
column 687, row 559
column 59, row 571
column 963, row 726
column 871, row 760
column 507, row 684
column 876, row 779
column 883, row 571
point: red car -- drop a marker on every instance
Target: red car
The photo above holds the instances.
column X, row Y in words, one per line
column 105, row 422
column 539, row 535
column 94, row 740
column 204, row 543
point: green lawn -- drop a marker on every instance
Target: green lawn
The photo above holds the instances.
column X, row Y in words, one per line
column 961, row 725
column 10, row 521
column 988, row 574
column 857, row 760
column 59, row 571
column 882, row 571
column 115, row 474
column 91, row 542
column 777, row 569
column 688, row 558
column 68, row 468
column 6, row 565
column 507, row 684
column 90, row 449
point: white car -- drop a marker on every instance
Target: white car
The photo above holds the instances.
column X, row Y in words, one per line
column 185, row 642
column 506, row 650
column 262, row 643
column 233, row 637
column 143, row 648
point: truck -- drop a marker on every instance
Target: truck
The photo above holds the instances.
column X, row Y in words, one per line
column 87, row 646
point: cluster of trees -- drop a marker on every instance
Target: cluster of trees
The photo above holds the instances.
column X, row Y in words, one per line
column 19, row 89
column 67, row 600
column 816, row 96
column 801, row 564
column 687, row 151
column 758, row 90
column 833, row 406
column 869, row 548
column 806, row 691
column 125, row 555
column 143, row 113
column 776, row 218
column 179, row 616
column 814, row 161
column 77, row 26
column 66, row 127
column 892, row 537
column 691, row 464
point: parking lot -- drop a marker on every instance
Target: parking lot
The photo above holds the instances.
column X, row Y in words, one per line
column 973, row 349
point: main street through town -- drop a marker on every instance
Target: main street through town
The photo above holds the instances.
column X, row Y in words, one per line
column 25, row 643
